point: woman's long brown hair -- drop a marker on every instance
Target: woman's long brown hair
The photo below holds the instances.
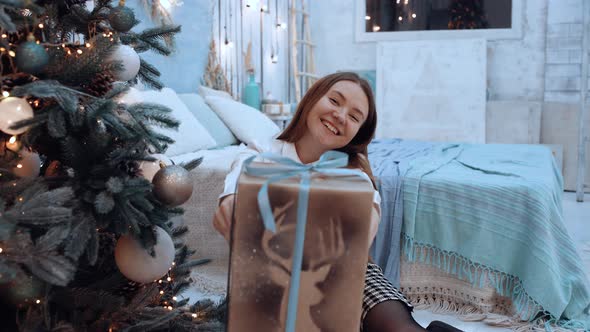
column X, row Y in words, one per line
column 357, row 148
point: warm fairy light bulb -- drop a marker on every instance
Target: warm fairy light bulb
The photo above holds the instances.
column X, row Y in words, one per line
column 38, row 301
column 12, row 140
column 69, row 52
column 173, row 263
column 1, row 250
column 194, row 315
column 11, row 53
column 174, row 298
column 63, row 45
column 376, row 28
column 88, row 45
column 5, row 93
column 169, row 307
column 19, row 166
column 169, row 279
column 161, row 292
column 400, row 18
column 159, row 281
column 413, row 15
column 2, row 49
column 4, row 35
column 79, row 51
column 367, row 17
column 41, row 26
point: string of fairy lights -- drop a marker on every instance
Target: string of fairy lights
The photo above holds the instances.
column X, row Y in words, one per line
column 403, row 17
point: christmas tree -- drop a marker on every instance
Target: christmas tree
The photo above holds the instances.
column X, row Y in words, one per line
column 467, row 14
column 88, row 241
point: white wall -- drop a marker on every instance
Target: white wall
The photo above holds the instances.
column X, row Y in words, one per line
column 515, row 67
column 183, row 70
column 200, row 21
column 564, row 51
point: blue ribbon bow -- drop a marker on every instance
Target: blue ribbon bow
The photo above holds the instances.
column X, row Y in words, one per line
column 327, row 164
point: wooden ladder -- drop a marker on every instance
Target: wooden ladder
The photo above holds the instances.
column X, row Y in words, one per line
column 304, row 70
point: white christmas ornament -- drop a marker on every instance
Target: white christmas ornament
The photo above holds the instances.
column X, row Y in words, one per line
column 13, row 110
column 130, row 59
column 28, row 166
column 137, row 264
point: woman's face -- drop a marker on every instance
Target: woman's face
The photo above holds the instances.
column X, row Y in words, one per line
column 337, row 117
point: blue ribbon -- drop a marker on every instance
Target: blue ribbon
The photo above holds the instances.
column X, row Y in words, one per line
column 327, row 164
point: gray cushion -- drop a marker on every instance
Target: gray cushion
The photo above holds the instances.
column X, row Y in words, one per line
column 220, row 132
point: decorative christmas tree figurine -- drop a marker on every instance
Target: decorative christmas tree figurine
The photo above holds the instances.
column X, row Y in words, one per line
column 87, row 241
column 467, row 14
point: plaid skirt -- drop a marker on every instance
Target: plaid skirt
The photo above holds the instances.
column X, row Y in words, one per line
column 378, row 289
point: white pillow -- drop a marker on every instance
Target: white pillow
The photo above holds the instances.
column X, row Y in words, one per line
column 191, row 136
column 208, row 92
column 247, row 123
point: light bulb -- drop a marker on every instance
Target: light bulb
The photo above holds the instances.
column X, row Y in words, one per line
column 400, row 18
column 413, row 15
column 5, row 93
column 376, row 28
column 367, row 17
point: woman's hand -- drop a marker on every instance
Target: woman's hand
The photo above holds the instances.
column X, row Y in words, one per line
column 375, row 219
column 223, row 216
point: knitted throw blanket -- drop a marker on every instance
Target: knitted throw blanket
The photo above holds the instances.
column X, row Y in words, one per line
column 491, row 215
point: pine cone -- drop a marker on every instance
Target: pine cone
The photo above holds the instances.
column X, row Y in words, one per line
column 100, row 84
column 9, row 81
column 131, row 168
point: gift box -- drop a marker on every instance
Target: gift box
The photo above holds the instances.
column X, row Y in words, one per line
column 329, row 284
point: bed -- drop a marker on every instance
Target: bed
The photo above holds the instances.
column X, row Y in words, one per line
column 480, row 231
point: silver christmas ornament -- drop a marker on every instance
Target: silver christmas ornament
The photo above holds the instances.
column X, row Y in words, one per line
column 173, row 185
column 122, row 18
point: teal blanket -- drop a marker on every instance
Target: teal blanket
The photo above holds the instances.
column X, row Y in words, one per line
column 496, row 209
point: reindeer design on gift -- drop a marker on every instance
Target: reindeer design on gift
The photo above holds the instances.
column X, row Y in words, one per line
column 330, row 247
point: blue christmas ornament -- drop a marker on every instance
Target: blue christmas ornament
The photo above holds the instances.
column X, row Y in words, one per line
column 31, row 57
column 122, row 18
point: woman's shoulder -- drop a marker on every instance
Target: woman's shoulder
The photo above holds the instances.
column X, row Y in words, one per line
column 271, row 145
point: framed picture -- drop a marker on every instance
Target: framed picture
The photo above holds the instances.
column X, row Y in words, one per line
column 391, row 20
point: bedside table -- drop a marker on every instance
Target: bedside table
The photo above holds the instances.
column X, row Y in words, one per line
column 281, row 120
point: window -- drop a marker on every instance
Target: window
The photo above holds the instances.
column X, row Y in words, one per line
column 380, row 20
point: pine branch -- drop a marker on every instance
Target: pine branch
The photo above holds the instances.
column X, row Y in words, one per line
column 147, row 76
column 152, row 318
column 64, row 96
column 74, row 70
column 5, row 20
column 192, row 164
column 79, row 237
